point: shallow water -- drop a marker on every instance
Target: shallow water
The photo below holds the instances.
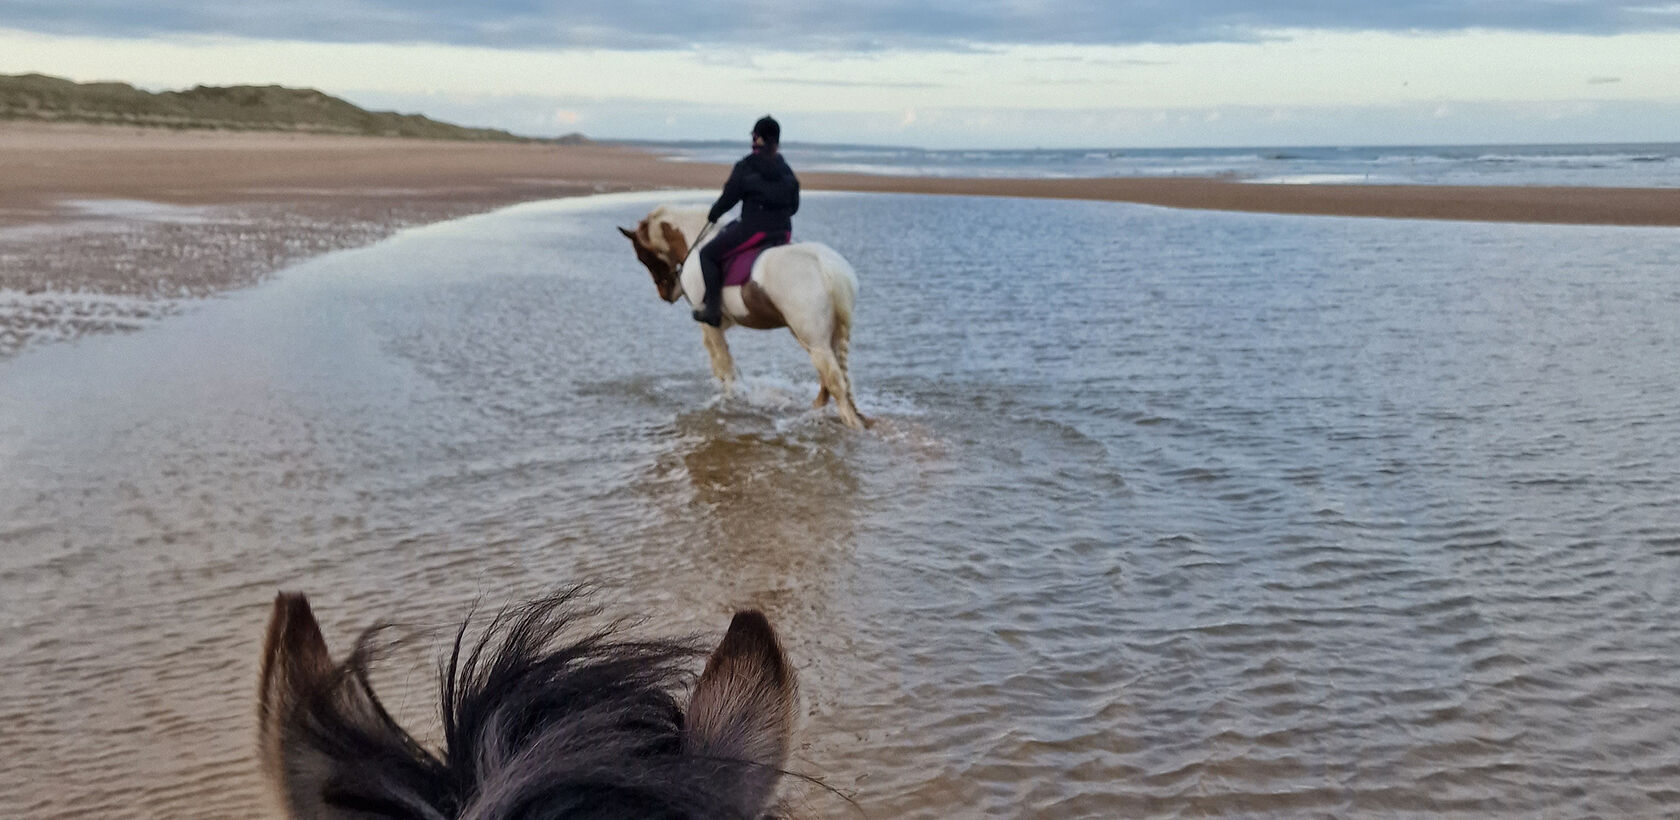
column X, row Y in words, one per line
column 1166, row 514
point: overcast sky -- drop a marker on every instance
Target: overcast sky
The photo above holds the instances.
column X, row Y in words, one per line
column 976, row 73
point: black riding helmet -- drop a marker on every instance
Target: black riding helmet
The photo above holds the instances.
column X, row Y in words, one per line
column 769, row 130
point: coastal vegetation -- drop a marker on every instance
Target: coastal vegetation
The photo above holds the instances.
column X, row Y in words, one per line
column 237, row 108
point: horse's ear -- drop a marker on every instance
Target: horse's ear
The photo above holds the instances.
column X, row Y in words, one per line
column 296, row 670
column 304, row 699
column 628, row 233
column 743, row 706
column 295, row 662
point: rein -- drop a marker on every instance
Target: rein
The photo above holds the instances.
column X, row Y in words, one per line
column 693, row 249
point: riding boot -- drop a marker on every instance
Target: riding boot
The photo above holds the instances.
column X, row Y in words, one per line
column 711, row 304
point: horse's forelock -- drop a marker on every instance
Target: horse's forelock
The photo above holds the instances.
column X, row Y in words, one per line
column 525, row 712
column 541, row 717
column 656, row 233
column 676, row 244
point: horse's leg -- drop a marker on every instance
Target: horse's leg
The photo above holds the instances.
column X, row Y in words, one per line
column 723, row 364
column 834, row 381
column 841, row 343
column 822, row 383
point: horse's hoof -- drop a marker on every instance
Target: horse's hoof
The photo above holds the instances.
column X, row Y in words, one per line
column 858, row 422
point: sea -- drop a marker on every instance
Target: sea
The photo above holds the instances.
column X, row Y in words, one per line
column 1616, row 165
column 1164, row 513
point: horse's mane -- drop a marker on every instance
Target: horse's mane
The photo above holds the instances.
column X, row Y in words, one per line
column 687, row 218
column 533, row 726
column 681, row 211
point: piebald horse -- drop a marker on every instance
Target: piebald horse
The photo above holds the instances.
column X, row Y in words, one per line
column 805, row 287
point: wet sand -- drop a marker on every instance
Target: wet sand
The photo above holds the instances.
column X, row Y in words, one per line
column 104, row 228
column 1510, row 203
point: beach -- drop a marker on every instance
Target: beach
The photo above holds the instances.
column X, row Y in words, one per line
column 46, row 165
column 105, row 227
column 1231, row 411
column 1165, row 512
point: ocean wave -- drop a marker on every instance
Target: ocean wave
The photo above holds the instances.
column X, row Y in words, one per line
column 1650, row 165
column 1581, row 160
column 1416, row 159
column 1318, row 179
column 883, row 169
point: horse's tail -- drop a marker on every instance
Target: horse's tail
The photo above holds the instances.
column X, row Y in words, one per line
column 841, row 283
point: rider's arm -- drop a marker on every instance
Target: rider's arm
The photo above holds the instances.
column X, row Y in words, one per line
column 731, row 195
column 795, row 208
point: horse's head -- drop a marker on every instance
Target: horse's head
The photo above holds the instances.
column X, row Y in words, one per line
column 661, row 247
column 533, row 726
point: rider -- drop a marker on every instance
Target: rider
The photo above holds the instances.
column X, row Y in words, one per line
column 769, row 195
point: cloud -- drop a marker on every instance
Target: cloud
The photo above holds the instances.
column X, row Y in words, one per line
column 1603, row 80
column 746, row 26
column 850, row 83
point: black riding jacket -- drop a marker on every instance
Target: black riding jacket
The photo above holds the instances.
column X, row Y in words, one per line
column 767, row 190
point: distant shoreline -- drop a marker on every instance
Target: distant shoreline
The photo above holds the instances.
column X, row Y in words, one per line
column 50, row 162
column 1489, row 203
column 268, row 199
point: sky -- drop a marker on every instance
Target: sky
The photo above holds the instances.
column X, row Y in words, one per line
column 944, row 74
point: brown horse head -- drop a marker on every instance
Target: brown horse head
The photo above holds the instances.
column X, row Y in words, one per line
column 662, row 253
column 541, row 718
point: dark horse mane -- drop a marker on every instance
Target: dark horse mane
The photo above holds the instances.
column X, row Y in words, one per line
column 535, row 725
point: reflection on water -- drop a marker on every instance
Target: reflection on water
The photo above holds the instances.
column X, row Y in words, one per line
column 1220, row 514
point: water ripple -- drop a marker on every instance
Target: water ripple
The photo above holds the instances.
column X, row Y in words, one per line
column 1217, row 513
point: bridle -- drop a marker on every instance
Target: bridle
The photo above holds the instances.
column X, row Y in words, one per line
column 693, row 249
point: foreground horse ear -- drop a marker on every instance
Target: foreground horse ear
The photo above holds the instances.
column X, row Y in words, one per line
column 302, row 699
column 743, row 707
column 628, row 233
column 295, row 663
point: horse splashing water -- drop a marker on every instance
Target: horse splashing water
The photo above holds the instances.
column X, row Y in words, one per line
column 534, row 725
column 805, row 287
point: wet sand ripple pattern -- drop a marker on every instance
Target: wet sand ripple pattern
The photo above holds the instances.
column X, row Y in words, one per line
column 104, row 266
